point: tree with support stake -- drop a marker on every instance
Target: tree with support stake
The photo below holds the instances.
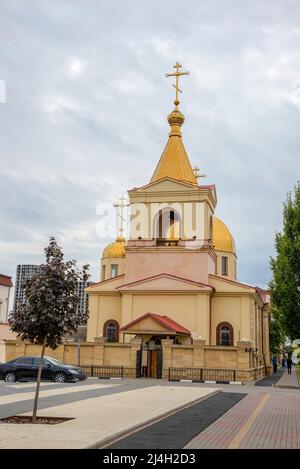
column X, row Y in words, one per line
column 50, row 311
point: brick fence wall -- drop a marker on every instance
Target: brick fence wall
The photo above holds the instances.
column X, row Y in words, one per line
column 247, row 363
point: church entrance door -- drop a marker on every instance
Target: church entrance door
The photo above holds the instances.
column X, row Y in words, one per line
column 153, row 363
column 152, row 360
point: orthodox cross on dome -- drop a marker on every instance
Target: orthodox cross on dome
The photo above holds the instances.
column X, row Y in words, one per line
column 197, row 174
column 121, row 206
column 177, row 74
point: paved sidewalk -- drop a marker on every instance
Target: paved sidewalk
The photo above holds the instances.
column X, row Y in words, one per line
column 71, row 392
column 268, row 416
column 288, row 381
column 271, row 379
column 221, row 433
column 262, row 421
column 176, row 430
column 277, row 425
column 98, row 418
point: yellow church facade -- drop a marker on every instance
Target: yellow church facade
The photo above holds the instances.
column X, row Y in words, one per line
column 168, row 303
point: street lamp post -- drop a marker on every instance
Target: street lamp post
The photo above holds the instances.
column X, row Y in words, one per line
column 78, row 351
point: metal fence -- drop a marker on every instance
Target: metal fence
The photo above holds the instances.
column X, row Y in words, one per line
column 201, row 374
column 104, row 372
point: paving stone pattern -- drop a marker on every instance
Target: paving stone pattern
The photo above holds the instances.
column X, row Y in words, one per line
column 176, row 430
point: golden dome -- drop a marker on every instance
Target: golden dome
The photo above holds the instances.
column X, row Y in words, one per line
column 174, row 161
column 115, row 249
column 222, row 238
column 176, row 118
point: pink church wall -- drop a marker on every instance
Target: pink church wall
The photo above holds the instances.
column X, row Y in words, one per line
column 190, row 265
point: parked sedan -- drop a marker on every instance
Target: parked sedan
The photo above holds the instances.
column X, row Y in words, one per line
column 26, row 368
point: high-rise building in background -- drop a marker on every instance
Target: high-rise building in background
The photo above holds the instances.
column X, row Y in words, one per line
column 83, row 296
column 25, row 271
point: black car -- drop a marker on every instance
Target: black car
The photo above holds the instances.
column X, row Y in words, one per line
column 26, row 368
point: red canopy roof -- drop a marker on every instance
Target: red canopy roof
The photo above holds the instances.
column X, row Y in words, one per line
column 264, row 294
column 164, row 320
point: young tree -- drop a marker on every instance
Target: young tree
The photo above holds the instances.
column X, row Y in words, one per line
column 285, row 284
column 50, row 312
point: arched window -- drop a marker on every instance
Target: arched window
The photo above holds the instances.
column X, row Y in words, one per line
column 111, row 330
column 167, row 224
column 224, row 334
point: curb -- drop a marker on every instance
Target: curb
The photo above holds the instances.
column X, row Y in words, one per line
column 108, row 377
column 285, row 386
column 210, row 382
column 101, row 444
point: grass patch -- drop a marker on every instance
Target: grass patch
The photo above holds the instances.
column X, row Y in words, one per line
column 298, row 372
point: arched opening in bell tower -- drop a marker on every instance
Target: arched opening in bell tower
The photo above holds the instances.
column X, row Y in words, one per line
column 167, row 225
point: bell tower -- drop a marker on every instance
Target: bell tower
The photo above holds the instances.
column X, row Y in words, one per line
column 171, row 217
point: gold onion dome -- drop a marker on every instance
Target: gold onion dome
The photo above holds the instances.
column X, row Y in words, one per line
column 222, row 238
column 115, row 249
column 174, row 161
column 176, row 118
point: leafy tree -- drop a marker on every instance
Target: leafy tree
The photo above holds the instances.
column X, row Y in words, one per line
column 50, row 310
column 276, row 335
column 285, row 284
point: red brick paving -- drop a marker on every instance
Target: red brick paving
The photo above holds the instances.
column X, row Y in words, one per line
column 221, row 432
column 288, row 380
column 276, row 426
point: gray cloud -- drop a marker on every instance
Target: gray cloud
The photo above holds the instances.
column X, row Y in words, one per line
column 85, row 116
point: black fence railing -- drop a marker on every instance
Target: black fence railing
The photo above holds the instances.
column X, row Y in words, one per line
column 194, row 374
column 219, row 375
column 201, row 374
column 104, row 372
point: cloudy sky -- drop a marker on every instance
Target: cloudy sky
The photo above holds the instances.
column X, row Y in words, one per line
column 84, row 117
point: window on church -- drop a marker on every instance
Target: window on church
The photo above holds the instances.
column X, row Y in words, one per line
column 224, row 334
column 114, row 270
column 111, row 330
column 103, row 272
column 224, row 265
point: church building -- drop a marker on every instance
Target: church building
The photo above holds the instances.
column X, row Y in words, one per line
column 169, row 302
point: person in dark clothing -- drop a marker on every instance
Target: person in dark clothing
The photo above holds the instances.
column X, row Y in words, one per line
column 289, row 363
column 274, row 363
column 283, row 362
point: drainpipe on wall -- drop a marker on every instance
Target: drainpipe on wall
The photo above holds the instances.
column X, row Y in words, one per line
column 210, row 300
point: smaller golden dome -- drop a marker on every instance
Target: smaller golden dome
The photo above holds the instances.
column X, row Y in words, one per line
column 222, row 238
column 176, row 117
column 115, row 249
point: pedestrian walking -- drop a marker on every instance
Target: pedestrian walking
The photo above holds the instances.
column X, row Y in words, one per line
column 283, row 362
column 274, row 363
column 289, row 363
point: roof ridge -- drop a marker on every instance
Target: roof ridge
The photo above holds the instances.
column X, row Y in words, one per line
column 168, row 275
column 178, row 327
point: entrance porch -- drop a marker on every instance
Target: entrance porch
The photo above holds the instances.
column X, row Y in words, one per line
column 153, row 329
